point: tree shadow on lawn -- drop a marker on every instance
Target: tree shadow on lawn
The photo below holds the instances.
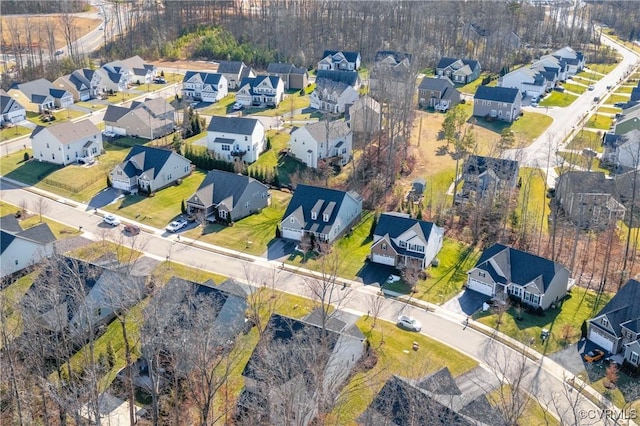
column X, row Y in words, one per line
column 130, row 200
column 33, row 171
column 497, row 126
column 455, row 270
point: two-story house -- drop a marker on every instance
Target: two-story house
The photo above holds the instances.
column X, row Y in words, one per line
column 234, row 72
column 40, row 95
column 350, row 78
column 228, row 196
column 487, row 175
column 262, row 90
column 149, row 119
column 438, row 93
column 588, row 199
column 149, row 169
column 552, row 68
column 616, row 328
column 135, row 70
column 21, row 248
column 337, row 60
column 67, row 142
column 322, row 212
column 324, row 140
column 332, row 97
column 294, row 78
column 575, row 61
column 113, row 81
column 460, row 71
column 399, row 240
column 204, row 86
column 503, row 272
column 236, row 138
column 83, row 84
column 364, row 116
column 499, row 103
column 10, row 109
column 391, row 72
column 528, row 81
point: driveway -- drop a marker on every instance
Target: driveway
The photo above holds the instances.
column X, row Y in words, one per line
column 466, row 302
column 280, row 249
column 104, row 198
column 571, row 357
column 375, row 274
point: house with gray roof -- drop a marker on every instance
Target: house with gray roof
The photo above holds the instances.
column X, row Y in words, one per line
column 204, row 86
column 391, row 73
column 66, row 143
column 83, row 84
column 497, row 103
column 553, row 69
column 40, row 95
column 323, row 141
column 322, row 212
column 10, row 109
column 234, row 72
column 350, row 78
column 21, row 248
column 228, row 197
column 260, row 91
column 460, row 71
column 148, row 119
column 133, row 70
column 364, row 116
column 438, row 93
column 529, row 81
column 332, row 96
column 294, row 78
column 149, row 169
column 399, row 241
column 576, row 61
column 487, row 175
column 338, row 60
column 112, row 81
column 504, row 271
column 616, row 328
column 236, row 138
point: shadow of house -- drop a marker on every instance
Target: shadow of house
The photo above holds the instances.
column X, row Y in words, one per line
column 21, row 248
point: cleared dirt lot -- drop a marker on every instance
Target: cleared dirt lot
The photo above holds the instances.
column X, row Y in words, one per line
column 20, row 26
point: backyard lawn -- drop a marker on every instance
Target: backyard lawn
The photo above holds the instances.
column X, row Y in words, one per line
column 588, row 75
column 222, row 107
column 533, row 203
column 11, row 297
column 609, row 110
column 616, row 98
column 581, row 161
column 563, row 322
column 269, row 159
column 290, row 103
column 599, row 121
column 14, row 132
column 625, row 89
column 60, row 115
column 98, row 249
column 558, row 99
column 586, row 139
column 602, row 68
column 529, row 126
column 470, row 88
column 94, row 105
column 575, row 88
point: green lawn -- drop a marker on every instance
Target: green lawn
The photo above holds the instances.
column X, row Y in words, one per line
column 577, row 159
column 625, row 89
column 59, row 230
column 588, row 75
column 586, row 139
column 533, row 414
column 94, row 105
column 445, row 280
column 602, row 68
column 94, row 251
column 351, row 250
column 470, row 88
column 563, row 322
column 159, row 210
column 60, row 115
column 269, row 159
column 290, row 103
column 599, row 121
column 31, row 172
column 532, row 195
column 616, row 98
column 119, row 97
column 436, row 196
column 166, row 270
column 615, row 395
column 575, row 88
column 13, row 132
column 529, row 126
column 251, row 234
column 609, row 110
column 11, row 297
column 222, row 107
column 558, row 99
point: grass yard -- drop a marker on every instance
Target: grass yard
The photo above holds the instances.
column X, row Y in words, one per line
column 623, row 231
column 557, row 99
column 470, row 88
column 14, row 132
column 625, row 89
column 94, row 105
column 599, row 121
column 533, row 414
column 163, row 207
column 269, row 160
column 577, row 159
column 576, row 88
column 609, row 110
column 616, row 395
column 591, row 77
column 586, row 139
column 59, row 230
column 98, row 249
column 166, row 270
column 251, row 234
column 290, row 103
column 445, row 280
column 616, row 98
column 60, row 115
column 222, row 107
column 563, row 322
column 350, row 251
column 533, row 205
column 602, row 68
column 528, row 127
column 10, row 298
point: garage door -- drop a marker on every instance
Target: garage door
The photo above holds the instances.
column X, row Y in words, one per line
column 600, row 340
column 385, row 260
column 292, row 234
column 480, row 287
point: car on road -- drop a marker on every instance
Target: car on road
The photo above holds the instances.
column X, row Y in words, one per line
column 596, row 99
column 237, row 106
column 590, row 87
column 593, row 355
column 409, row 323
column 108, row 134
column 176, row 225
column 132, row 229
column 559, row 89
column 111, row 220
column 59, row 52
column 159, row 80
column 533, row 104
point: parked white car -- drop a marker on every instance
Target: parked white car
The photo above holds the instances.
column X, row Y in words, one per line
column 111, row 220
column 409, row 323
column 176, row 225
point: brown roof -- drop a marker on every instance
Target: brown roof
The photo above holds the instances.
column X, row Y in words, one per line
column 69, row 132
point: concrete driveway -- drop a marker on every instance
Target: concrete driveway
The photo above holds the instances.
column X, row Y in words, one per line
column 375, row 274
column 280, row 249
column 571, row 357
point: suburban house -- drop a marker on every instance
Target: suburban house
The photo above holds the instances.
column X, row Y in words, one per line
column 575, row 61
column 134, row 70
column 303, row 357
column 236, row 138
column 332, row 97
column 364, row 115
column 83, row 84
column 234, row 72
column 322, row 141
column 149, row 119
column 391, row 68
column 336, row 60
column 113, row 81
column 497, row 103
column 460, row 71
column 482, row 175
column 399, row 241
column 262, row 90
column 616, row 328
column 40, row 95
column 149, row 169
column 552, row 68
column 21, row 248
column 322, row 212
column 10, row 109
column 228, row 197
column 503, row 272
column 438, row 93
column 204, row 86
column 626, row 185
column 588, row 199
column 67, row 142
column 350, row 78
column 293, row 77
column 527, row 81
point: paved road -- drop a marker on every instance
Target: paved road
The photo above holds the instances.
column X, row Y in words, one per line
column 545, row 379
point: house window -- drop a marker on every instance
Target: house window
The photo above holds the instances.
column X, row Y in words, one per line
column 580, row 197
column 292, row 220
column 169, row 176
column 344, row 150
column 67, row 157
column 226, row 147
column 384, row 246
column 604, row 322
column 402, row 244
column 16, row 261
column 47, row 144
column 246, row 205
column 53, row 156
column 314, row 215
column 246, row 138
column 222, row 214
column 482, row 274
column 94, row 150
column 634, row 358
column 325, row 217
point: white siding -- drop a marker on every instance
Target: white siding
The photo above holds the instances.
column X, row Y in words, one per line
column 480, row 287
column 600, row 340
column 383, row 259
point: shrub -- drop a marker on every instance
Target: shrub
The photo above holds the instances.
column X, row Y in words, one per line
column 25, row 157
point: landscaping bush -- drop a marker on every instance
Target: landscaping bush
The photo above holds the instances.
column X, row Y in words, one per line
column 25, row 157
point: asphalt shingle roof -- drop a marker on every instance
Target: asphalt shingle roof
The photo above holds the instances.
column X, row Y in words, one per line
column 6, row 239
column 230, row 67
column 149, row 160
column 40, row 233
column 349, row 56
column 233, row 125
column 114, row 113
column 70, row 131
column 222, row 187
column 336, row 129
column 10, row 223
column 499, row 94
column 476, row 165
column 398, row 57
column 436, row 84
column 349, row 78
column 624, row 307
column 280, row 68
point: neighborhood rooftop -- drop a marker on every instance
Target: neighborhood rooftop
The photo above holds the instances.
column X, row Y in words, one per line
column 70, row 131
column 499, row 94
column 234, row 125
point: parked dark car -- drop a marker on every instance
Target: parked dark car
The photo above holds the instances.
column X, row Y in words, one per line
column 132, row 229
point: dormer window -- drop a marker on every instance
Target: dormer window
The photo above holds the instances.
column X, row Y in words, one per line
column 314, row 215
column 325, row 217
column 604, row 322
column 402, row 244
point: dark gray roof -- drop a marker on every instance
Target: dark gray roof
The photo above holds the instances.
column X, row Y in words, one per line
column 583, row 182
column 7, row 102
column 280, row 68
column 40, row 233
column 623, row 307
column 148, row 157
column 446, row 61
column 499, row 94
column 11, row 229
column 481, row 410
column 504, row 169
column 299, row 70
column 349, row 56
column 397, row 56
column 211, row 78
column 346, row 77
column 220, row 186
column 114, row 113
column 10, row 223
column 6, row 239
column 233, row 125
column 254, row 81
column 436, row 84
column 36, row 90
column 440, row 383
column 395, row 225
column 230, row 67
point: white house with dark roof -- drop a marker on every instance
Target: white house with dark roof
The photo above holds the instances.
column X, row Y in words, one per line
column 234, row 72
column 236, row 138
column 529, row 81
column 134, row 70
column 338, row 60
column 113, row 81
column 351, row 78
column 575, row 60
column 21, row 248
column 438, row 93
column 204, row 86
column 261, row 90
column 503, row 272
column 332, row 96
column 10, row 109
column 323, row 212
column 324, row 140
column 399, row 240
column 40, row 95
column 149, row 169
column 499, row 103
column 83, row 84
column 616, row 328
column 148, row 119
column 293, row 77
column 67, row 142
column 461, row 71
column 228, row 196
